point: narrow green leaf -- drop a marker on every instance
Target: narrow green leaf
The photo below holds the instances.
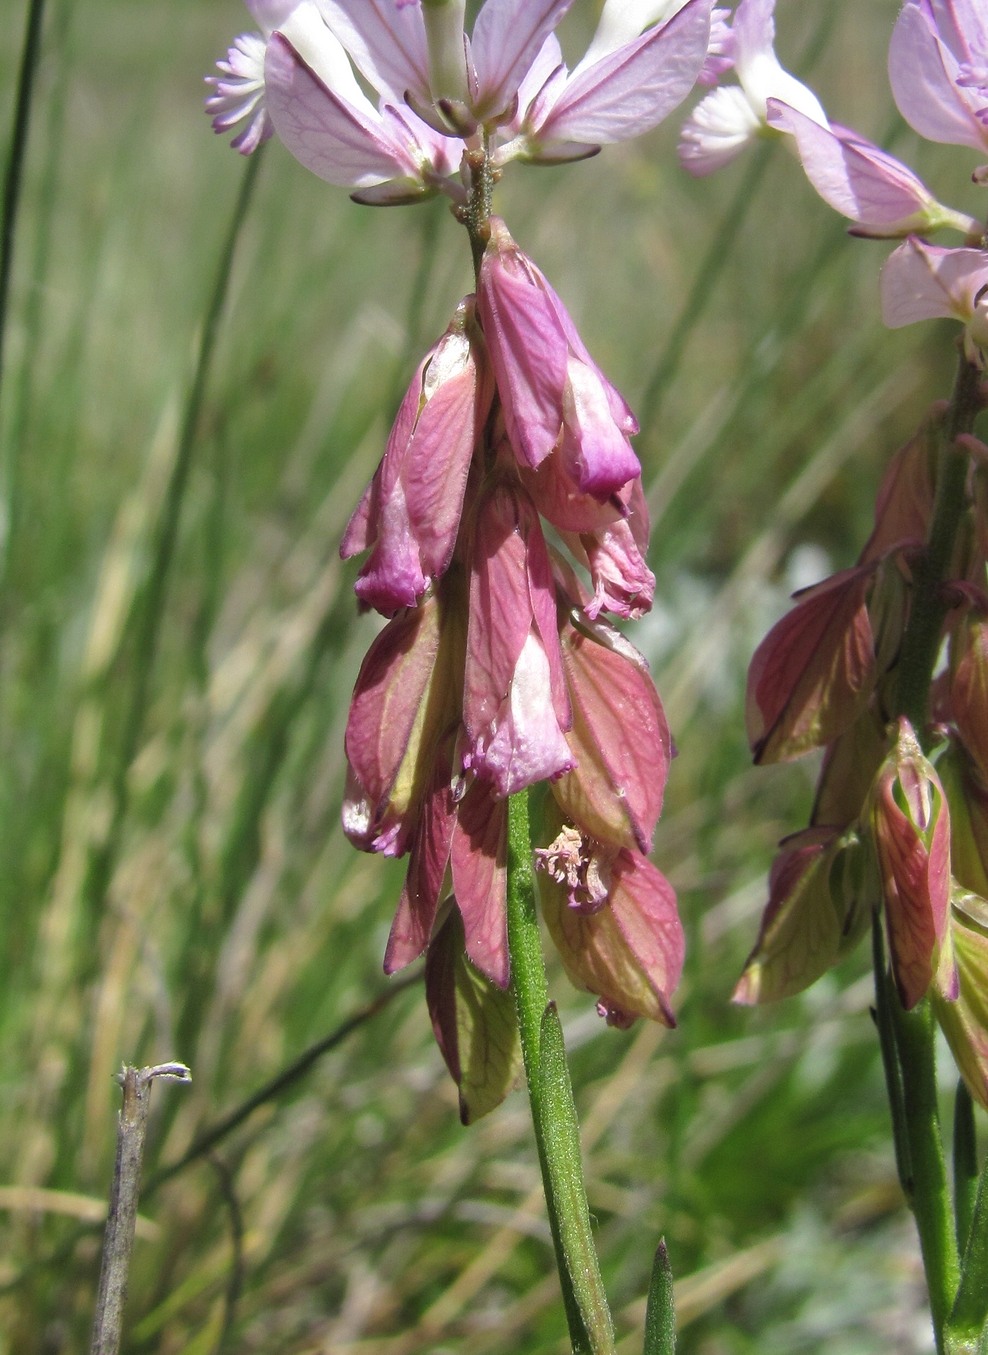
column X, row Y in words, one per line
column 965, row 1164
column 660, row 1311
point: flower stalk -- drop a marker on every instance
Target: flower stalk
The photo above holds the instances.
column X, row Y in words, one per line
column 557, row 1133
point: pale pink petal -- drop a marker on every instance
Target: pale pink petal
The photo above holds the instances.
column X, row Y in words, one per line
column 342, row 142
column 858, row 179
column 507, row 38
column 387, row 44
column 721, row 126
column 924, row 282
column 634, row 88
column 923, row 73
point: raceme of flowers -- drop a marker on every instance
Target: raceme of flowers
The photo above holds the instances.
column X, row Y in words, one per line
column 496, row 670
column 889, row 821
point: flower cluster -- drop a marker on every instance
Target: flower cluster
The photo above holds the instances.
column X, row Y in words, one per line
column 305, row 76
column 889, row 823
column 496, row 671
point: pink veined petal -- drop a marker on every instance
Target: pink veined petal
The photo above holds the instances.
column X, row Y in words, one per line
column 338, row 142
column 857, row 178
column 528, row 351
column 923, row 282
column 478, row 859
column 621, row 22
column 419, row 901
column 507, row 38
column 387, row 44
column 923, row 76
column 634, row 88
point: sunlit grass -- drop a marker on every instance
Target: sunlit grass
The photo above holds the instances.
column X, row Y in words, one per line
column 197, row 900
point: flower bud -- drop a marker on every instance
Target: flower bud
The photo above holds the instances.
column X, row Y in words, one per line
column 910, row 823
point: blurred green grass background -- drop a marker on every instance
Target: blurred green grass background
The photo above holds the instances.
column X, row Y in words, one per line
column 179, row 645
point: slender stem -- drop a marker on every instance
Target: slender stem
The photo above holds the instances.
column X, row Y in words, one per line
column 921, row 641
column 929, row 1194
column 965, row 1164
column 884, row 997
column 118, row 1241
column 557, row 1133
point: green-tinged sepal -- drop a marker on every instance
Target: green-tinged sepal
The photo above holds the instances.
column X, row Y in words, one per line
column 474, row 1022
column 812, row 917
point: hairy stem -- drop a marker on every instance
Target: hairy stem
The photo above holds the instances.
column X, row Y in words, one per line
column 557, row 1133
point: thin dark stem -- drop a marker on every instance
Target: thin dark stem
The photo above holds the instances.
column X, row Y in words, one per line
column 287, row 1078
column 118, row 1240
column 15, row 164
column 965, row 1164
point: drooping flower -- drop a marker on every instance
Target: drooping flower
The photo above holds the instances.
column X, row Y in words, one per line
column 554, row 395
column 925, row 282
column 730, row 117
column 621, row 939
column 880, row 195
column 515, row 707
column 410, row 513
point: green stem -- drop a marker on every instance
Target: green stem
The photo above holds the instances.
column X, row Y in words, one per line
column 921, row 642
column 557, row 1133
column 965, row 1164
column 927, row 1188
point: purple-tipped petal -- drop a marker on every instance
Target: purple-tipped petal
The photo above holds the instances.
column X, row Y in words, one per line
column 410, row 512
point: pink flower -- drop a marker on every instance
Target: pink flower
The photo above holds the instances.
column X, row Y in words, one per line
column 732, row 116
column 879, row 194
column 410, row 512
column 613, row 918
column 515, row 707
column 626, row 83
column 619, row 739
column 405, row 699
column 329, row 123
column 814, row 672
column 807, row 924
column 937, row 57
column 924, row 282
column 554, row 394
